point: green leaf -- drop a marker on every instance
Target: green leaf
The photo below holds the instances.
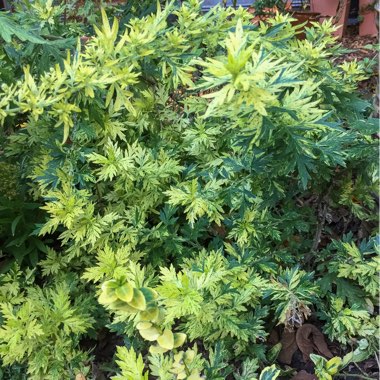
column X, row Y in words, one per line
column 358, row 355
column 179, row 339
column 269, row 373
column 143, row 325
column 9, row 28
column 108, row 294
column 150, row 314
column 138, row 301
column 166, row 340
column 333, row 365
column 15, row 223
column 131, row 365
column 121, row 306
column 151, row 334
column 149, row 294
column 124, row 292
column 157, row 350
column 274, row 352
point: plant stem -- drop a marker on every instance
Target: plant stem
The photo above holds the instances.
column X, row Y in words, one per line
column 322, row 211
column 354, row 375
column 364, row 374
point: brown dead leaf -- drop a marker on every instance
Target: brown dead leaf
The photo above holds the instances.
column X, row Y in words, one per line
column 289, row 347
column 296, row 316
column 80, row 376
column 273, row 338
column 310, row 340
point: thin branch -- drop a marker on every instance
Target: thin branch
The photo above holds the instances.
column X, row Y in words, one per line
column 354, row 375
column 321, row 223
column 318, row 232
column 377, row 359
column 363, row 373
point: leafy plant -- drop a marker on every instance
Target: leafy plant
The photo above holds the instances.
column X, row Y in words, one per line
column 292, row 293
column 344, row 323
column 18, row 218
column 353, row 269
column 325, row 369
column 42, row 329
column 188, row 177
column 131, row 365
column 352, row 278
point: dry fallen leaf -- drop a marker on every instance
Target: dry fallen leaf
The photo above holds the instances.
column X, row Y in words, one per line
column 289, row 347
column 310, row 340
column 80, row 376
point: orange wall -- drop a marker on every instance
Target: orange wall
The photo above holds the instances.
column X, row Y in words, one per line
column 368, row 25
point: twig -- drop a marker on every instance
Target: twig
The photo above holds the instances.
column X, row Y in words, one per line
column 306, row 202
column 318, row 232
column 321, row 224
column 363, row 373
column 377, row 360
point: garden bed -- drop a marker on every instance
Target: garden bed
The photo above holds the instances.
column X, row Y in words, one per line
column 182, row 204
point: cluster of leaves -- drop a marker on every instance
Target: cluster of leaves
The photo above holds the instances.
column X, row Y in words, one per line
column 181, row 178
column 42, row 326
column 351, row 282
column 33, row 35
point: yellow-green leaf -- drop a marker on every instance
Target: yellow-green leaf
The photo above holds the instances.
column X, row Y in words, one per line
column 66, row 131
column 151, row 334
column 122, row 306
column 179, row 339
column 332, row 366
column 269, row 373
column 138, row 300
column 111, row 284
column 323, row 375
column 157, row 350
column 124, row 293
column 143, row 325
column 195, row 375
column 107, row 295
column 177, row 368
column 274, row 352
column 189, row 356
column 181, row 376
column 178, row 357
column 166, row 340
column 149, row 314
